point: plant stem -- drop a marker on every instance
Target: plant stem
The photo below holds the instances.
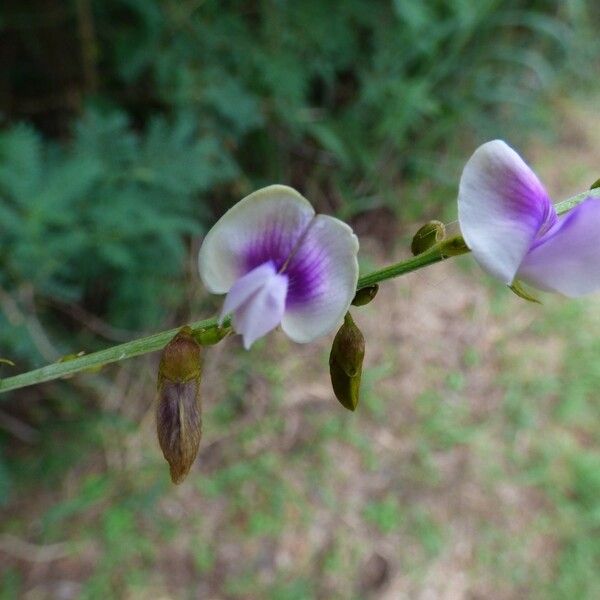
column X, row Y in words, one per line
column 98, row 359
column 429, row 257
column 569, row 203
column 155, row 342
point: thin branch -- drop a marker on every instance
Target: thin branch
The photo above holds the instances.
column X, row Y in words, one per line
column 113, row 354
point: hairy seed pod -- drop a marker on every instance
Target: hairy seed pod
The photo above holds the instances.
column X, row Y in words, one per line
column 427, row 236
column 345, row 363
column 178, row 413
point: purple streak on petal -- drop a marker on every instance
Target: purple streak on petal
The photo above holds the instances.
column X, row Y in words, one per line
column 302, row 259
column 306, row 270
column 325, row 272
column 273, row 243
column 257, row 301
column 567, row 258
column 525, row 185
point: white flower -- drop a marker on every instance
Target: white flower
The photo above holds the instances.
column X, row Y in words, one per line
column 511, row 226
column 279, row 262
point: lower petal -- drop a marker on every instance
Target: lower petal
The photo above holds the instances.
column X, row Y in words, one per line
column 257, row 301
column 567, row 258
column 245, row 287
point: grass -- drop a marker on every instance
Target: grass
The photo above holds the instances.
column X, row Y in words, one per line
column 490, row 468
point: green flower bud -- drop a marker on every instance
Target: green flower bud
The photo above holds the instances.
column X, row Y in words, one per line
column 178, row 413
column 427, row 236
column 365, row 295
column 345, row 363
column 595, row 185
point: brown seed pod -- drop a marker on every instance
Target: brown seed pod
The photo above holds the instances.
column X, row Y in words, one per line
column 179, row 413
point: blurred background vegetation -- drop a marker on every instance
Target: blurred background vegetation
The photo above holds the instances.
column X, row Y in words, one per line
column 127, row 128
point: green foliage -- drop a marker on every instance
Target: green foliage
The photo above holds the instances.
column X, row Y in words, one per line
column 103, row 222
column 366, row 92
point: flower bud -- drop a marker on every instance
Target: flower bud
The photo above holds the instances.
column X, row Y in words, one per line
column 345, row 363
column 365, row 295
column 178, row 413
column 595, row 185
column 427, row 236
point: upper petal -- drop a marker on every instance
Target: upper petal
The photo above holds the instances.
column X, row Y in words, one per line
column 567, row 258
column 323, row 273
column 263, row 226
column 502, row 207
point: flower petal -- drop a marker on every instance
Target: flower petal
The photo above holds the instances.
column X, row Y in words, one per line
column 323, row 273
column 263, row 312
column 263, row 226
column 257, row 301
column 245, row 287
column 567, row 258
column 502, row 207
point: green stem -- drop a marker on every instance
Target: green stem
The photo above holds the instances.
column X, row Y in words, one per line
column 152, row 343
column 569, row 203
column 98, row 359
column 429, row 257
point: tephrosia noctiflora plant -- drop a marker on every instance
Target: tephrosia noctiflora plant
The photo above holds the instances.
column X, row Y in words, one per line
column 280, row 264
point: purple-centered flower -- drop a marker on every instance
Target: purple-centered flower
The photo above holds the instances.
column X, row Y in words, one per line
column 279, row 262
column 511, row 226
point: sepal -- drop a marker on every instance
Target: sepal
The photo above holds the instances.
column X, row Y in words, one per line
column 519, row 289
column 209, row 336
